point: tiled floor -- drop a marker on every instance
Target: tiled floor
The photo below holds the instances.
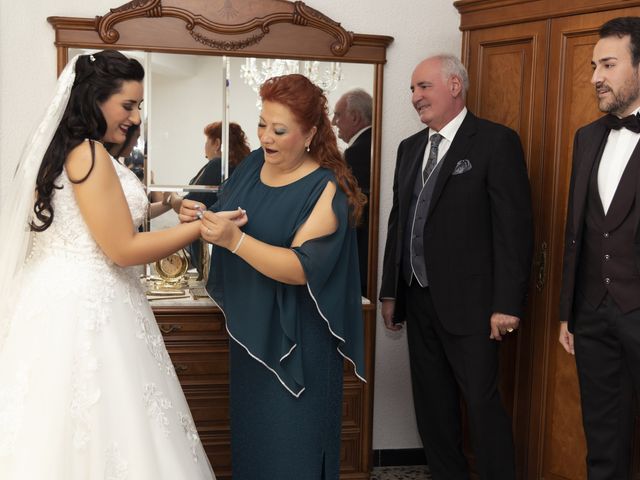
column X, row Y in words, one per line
column 417, row 472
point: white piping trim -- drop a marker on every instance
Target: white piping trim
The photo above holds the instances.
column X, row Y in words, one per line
column 355, row 368
column 226, row 325
column 289, row 352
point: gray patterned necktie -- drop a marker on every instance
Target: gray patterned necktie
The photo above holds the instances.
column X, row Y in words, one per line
column 432, row 160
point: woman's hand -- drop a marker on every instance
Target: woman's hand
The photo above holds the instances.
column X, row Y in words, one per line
column 238, row 217
column 189, row 210
column 219, row 230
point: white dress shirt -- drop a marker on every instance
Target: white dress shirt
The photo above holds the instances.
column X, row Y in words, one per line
column 448, row 132
column 618, row 150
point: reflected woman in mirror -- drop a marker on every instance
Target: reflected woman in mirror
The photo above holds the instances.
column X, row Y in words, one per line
column 288, row 284
column 211, row 173
column 87, row 388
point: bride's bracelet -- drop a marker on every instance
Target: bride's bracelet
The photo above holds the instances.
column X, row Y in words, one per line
column 239, row 243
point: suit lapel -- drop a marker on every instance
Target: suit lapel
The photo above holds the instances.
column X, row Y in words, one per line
column 414, row 156
column 590, row 152
column 457, row 151
column 625, row 193
column 636, row 156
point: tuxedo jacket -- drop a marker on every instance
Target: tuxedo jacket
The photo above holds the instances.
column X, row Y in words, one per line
column 478, row 235
column 588, row 146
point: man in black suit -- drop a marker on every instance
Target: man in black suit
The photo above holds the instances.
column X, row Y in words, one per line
column 456, row 268
column 600, row 298
column 352, row 117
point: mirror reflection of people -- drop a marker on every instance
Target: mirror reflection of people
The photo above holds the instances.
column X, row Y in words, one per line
column 211, row 172
column 288, row 284
column 86, row 381
column 121, row 151
column 456, row 268
column 352, row 117
column 133, row 159
column 600, row 296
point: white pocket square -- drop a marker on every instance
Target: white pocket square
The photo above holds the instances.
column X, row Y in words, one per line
column 462, row 166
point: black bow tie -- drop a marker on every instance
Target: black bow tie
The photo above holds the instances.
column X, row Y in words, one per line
column 632, row 122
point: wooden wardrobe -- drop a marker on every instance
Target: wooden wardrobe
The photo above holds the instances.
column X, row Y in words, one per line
column 529, row 64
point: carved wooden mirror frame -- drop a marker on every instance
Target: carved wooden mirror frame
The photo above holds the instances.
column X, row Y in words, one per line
column 240, row 28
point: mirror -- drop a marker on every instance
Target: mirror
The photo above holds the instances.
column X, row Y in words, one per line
column 185, row 56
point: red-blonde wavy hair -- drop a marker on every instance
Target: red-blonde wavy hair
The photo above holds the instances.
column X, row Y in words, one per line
column 309, row 107
column 238, row 143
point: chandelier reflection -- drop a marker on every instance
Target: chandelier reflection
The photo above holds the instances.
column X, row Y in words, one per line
column 325, row 75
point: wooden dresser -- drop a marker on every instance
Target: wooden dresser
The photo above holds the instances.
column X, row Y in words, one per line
column 197, row 341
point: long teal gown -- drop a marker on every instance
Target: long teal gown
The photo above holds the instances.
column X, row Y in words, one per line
column 288, row 342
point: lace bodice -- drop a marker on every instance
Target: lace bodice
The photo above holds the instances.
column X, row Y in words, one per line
column 68, row 234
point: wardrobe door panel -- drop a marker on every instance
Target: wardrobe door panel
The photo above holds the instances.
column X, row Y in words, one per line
column 507, row 74
column 571, row 104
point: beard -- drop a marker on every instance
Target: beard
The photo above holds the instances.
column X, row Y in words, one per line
column 622, row 99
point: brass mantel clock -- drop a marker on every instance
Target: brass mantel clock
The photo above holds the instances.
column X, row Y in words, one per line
column 172, row 268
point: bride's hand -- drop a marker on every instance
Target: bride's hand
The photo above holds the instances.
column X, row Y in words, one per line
column 219, row 230
column 238, row 217
column 189, row 210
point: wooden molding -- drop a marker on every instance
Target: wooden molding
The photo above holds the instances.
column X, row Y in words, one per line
column 477, row 14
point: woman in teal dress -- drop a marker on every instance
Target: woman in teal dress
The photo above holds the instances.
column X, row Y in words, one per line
column 285, row 274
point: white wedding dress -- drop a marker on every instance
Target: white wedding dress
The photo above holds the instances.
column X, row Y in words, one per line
column 87, row 389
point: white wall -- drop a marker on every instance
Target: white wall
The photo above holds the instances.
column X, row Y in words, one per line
column 420, row 28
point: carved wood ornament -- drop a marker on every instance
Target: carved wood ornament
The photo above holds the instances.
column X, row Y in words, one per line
column 240, row 27
column 301, row 15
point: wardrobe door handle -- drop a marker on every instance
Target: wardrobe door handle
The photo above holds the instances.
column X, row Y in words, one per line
column 541, row 263
column 180, row 368
column 166, row 329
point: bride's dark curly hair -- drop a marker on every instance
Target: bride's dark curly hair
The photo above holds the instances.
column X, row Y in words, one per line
column 309, row 106
column 98, row 77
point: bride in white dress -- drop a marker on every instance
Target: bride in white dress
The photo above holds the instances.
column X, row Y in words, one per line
column 87, row 389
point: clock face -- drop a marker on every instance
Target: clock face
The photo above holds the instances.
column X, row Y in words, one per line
column 172, row 267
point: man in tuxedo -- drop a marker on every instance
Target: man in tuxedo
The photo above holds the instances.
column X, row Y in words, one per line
column 352, row 117
column 456, row 268
column 600, row 298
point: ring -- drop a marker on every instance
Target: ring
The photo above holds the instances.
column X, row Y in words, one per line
column 208, row 231
column 509, row 329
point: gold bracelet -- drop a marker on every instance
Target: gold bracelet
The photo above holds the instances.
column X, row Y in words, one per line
column 238, row 244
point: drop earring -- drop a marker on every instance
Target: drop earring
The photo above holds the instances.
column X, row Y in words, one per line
column 308, row 148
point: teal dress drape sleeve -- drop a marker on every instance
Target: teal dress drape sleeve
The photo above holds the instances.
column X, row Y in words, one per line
column 331, row 267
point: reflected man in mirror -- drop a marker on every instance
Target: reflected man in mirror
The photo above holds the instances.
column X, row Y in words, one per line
column 456, row 268
column 600, row 297
column 352, row 117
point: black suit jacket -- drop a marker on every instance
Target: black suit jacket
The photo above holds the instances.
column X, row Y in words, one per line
column 478, row 236
column 358, row 157
column 588, row 144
